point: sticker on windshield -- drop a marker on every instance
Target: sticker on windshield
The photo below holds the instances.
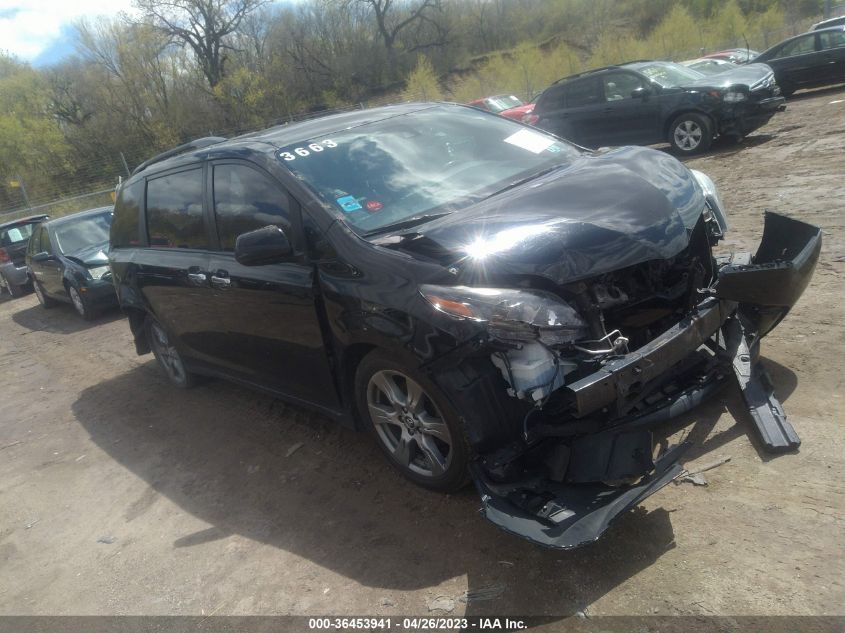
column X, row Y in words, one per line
column 531, row 141
column 349, row 204
column 291, row 153
column 554, row 149
column 374, row 206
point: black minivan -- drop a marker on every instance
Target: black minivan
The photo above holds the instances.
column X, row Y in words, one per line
column 488, row 300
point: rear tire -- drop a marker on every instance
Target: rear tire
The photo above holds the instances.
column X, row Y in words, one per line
column 690, row 133
column 45, row 301
column 412, row 422
column 169, row 360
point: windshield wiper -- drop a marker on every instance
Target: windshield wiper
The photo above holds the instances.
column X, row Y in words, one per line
column 404, row 224
column 522, row 181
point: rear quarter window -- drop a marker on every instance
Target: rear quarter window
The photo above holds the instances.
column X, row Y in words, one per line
column 551, row 100
column 125, row 230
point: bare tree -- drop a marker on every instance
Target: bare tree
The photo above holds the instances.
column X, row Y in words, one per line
column 392, row 18
column 204, row 25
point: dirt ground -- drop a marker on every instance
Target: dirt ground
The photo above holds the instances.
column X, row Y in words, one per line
column 121, row 495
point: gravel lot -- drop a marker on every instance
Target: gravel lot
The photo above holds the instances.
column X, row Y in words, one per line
column 121, row 495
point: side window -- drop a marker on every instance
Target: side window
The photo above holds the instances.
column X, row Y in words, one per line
column 552, row 99
column 245, row 200
column 174, row 211
column 832, row 39
column 618, row 86
column 127, row 210
column 799, row 46
column 583, row 93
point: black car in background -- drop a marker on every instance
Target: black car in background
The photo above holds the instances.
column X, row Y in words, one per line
column 483, row 297
column 809, row 60
column 14, row 236
column 824, row 24
column 68, row 262
column 650, row 102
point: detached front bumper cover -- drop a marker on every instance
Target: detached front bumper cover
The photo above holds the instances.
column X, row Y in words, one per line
column 573, row 515
column 753, row 294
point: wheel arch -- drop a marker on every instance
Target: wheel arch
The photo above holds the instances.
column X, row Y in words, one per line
column 350, row 360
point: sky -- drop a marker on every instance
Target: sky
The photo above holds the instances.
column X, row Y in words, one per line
column 41, row 31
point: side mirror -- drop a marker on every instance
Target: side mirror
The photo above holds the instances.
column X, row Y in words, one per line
column 43, row 256
column 641, row 93
column 268, row 245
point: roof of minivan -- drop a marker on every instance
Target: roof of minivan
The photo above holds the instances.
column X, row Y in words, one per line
column 76, row 216
column 282, row 135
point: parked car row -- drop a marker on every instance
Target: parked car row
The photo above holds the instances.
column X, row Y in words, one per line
column 64, row 260
column 729, row 93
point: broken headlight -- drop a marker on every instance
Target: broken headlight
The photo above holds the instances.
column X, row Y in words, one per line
column 98, row 272
column 510, row 314
column 714, row 199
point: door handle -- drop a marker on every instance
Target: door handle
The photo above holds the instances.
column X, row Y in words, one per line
column 220, row 279
column 197, row 278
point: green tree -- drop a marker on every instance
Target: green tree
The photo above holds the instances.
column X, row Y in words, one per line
column 422, row 84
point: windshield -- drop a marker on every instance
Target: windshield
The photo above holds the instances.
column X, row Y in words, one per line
column 75, row 235
column 16, row 234
column 669, row 75
column 432, row 161
column 498, row 104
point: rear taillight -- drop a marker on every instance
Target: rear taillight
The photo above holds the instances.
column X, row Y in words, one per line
column 4, row 256
column 530, row 119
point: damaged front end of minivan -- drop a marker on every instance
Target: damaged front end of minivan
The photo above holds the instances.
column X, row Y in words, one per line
column 591, row 366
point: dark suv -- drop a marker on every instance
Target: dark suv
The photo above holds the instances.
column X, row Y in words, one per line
column 483, row 297
column 650, row 102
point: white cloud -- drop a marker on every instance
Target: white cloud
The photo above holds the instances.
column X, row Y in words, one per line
column 28, row 27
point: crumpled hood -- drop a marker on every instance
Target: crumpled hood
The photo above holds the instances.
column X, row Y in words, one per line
column 95, row 255
column 603, row 212
column 747, row 75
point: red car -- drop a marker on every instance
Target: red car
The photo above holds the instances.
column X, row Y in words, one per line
column 507, row 105
column 519, row 112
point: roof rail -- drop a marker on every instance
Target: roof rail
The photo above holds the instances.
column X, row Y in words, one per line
column 596, row 70
column 586, row 72
column 181, row 149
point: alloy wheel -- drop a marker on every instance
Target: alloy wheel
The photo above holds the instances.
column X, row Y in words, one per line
column 688, row 135
column 409, row 424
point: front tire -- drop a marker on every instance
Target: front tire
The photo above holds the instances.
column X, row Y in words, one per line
column 168, row 357
column 412, row 422
column 690, row 133
column 81, row 304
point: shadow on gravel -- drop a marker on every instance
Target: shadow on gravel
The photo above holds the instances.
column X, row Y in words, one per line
column 61, row 319
column 251, row 465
